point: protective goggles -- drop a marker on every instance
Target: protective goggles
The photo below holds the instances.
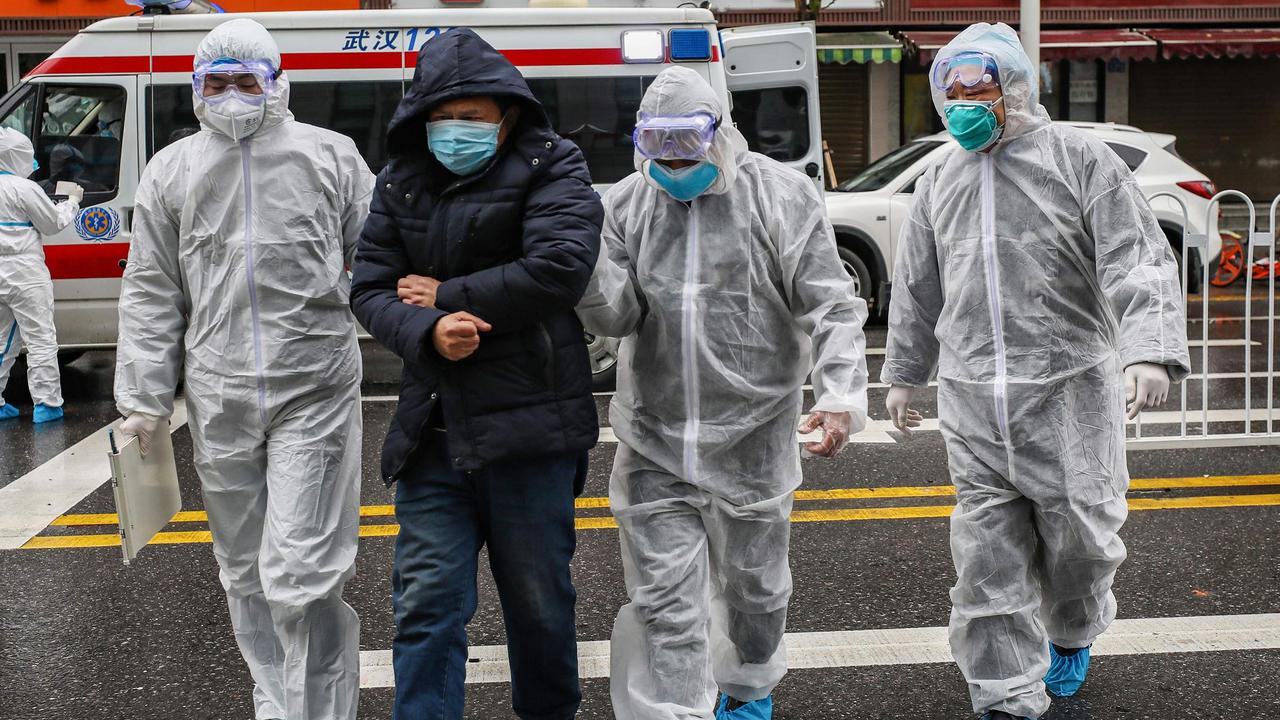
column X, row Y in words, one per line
column 225, row 73
column 684, row 137
column 970, row 69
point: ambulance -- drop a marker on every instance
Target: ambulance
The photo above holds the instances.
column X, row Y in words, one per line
column 101, row 106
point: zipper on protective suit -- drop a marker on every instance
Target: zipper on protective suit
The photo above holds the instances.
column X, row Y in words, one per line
column 992, row 263
column 688, row 340
column 253, row 285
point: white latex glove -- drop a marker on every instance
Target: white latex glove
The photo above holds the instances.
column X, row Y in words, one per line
column 899, row 406
column 1146, row 386
column 142, row 426
column 835, row 428
column 76, row 192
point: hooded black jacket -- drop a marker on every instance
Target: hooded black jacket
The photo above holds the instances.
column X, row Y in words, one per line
column 514, row 244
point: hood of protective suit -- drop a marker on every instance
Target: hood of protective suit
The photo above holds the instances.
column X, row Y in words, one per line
column 16, row 153
column 1018, row 79
column 681, row 91
column 455, row 65
column 247, row 41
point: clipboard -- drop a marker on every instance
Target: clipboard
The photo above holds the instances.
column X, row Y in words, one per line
column 146, row 489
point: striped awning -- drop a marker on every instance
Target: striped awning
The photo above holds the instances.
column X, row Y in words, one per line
column 1097, row 44
column 860, row 47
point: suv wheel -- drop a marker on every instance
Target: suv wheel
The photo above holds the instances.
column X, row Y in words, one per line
column 863, row 284
column 603, row 352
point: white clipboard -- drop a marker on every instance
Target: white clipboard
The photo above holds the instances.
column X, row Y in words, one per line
column 146, row 489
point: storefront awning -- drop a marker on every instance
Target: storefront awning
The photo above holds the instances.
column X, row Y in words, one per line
column 1102, row 44
column 862, row 47
column 1191, row 43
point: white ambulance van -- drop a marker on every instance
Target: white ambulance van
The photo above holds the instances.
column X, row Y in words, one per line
column 118, row 92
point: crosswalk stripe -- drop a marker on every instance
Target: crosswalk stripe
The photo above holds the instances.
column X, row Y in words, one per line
column 902, row 646
column 30, row 503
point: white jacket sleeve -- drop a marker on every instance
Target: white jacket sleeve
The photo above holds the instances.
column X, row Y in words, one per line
column 821, row 297
column 46, row 217
column 356, row 195
column 1138, row 275
column 613, row 305
column 912, row 349
column 153, row 305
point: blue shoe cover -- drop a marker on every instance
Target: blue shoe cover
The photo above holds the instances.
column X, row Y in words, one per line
column 761, row 709
column 1066, row 674
column 44, row 414
column 8, row 412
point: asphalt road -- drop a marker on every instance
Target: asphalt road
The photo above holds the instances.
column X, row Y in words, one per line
column 82, row 636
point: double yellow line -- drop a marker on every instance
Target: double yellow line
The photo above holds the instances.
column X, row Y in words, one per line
column 909, row 512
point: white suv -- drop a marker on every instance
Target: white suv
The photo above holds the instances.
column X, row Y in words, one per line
column 868, row 210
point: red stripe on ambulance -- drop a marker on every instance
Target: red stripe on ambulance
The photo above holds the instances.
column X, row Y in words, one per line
column 88, row 261
column 141, row 64
column 125, row 65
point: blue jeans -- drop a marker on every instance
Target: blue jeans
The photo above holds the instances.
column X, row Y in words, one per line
column 523, row 511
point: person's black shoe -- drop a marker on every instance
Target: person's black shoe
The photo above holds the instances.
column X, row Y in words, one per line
column 1000, row 715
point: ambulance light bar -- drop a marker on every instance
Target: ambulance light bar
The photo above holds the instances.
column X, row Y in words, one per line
column 643, row 46
column 690, row 45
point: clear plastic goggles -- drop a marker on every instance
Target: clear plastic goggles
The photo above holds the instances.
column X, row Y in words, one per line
column 970, row 69
column 684, row 137
column 214, row 79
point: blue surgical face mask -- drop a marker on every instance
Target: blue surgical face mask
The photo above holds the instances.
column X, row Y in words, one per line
column 35, row 165
column 684, row 184
column 463, row 147
column 973, row 123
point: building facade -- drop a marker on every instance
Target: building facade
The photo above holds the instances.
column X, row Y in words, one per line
column 1207, row 71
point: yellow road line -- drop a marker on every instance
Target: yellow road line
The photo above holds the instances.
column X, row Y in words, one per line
column 1207, row 501
column 598, row 503
column 602, row 523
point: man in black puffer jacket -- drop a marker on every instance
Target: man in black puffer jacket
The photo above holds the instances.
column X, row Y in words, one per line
column 482, row 236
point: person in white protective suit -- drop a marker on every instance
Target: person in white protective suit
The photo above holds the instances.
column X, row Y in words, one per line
column 26, row 290
column 237, row 282
column 1034, row 276
column 719, row 270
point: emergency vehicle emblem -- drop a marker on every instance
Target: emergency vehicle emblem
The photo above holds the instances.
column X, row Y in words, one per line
column 98, row 224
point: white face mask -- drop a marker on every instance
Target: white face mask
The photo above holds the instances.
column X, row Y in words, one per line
column 235, row 114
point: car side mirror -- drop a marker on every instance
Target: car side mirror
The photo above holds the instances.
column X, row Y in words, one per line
column 811, row 170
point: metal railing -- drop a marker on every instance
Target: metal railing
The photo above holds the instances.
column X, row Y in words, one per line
column 1186, row 435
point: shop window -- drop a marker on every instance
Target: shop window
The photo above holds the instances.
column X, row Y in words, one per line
column 27, row 61
column 1072, row 90
column 1084, row 91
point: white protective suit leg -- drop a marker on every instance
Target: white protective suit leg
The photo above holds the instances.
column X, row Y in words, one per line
column 1035, row 539
column 681, row 547
column 284, row 509
column 26, row 292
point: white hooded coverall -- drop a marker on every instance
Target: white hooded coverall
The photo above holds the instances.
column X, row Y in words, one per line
column 237, row 282
column 26, row 289
column 723, row 305
column 1031, row 276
